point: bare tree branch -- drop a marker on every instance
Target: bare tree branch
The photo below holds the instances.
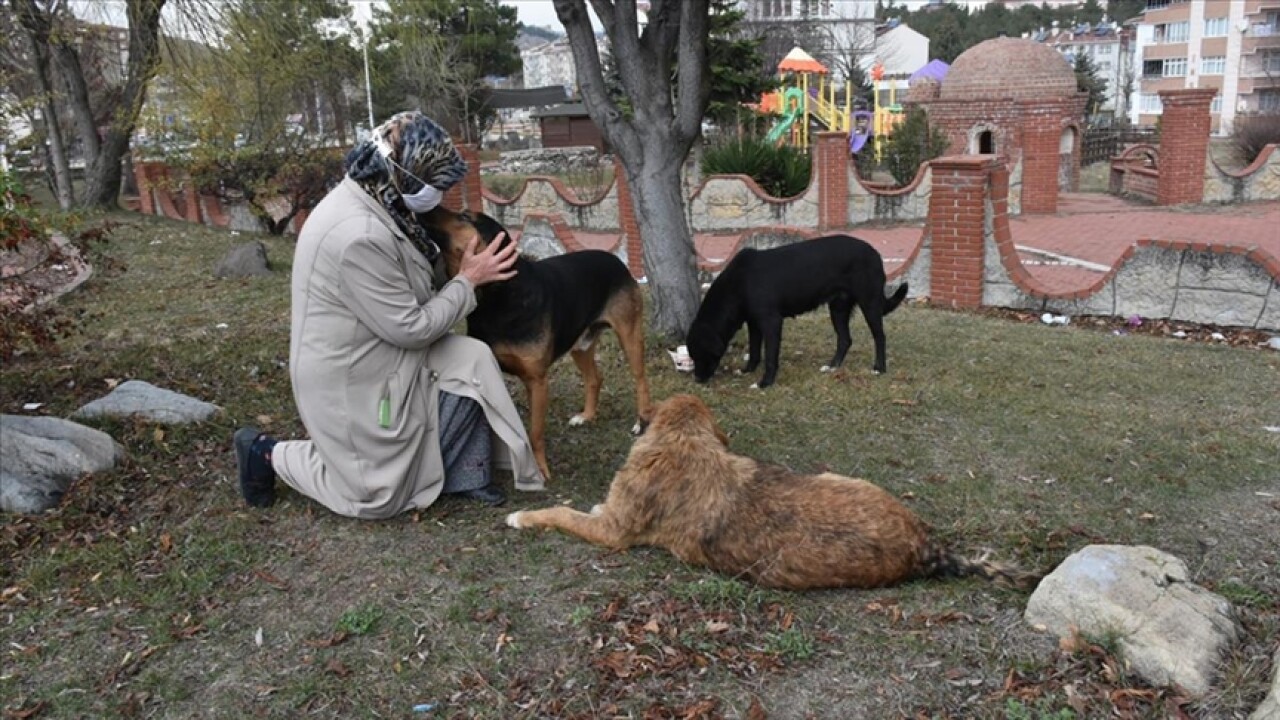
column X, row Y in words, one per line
column 577, row 24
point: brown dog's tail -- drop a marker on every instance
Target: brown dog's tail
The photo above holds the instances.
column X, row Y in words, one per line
column 896, row 299
column 940, row 561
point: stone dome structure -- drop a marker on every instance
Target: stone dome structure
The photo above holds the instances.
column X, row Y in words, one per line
column 1012, row 68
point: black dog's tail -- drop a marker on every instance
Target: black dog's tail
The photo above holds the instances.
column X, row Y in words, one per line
column 940, row 561
column 891, row 303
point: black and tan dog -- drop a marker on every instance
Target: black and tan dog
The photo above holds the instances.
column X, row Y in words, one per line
column 551, row 307
column 761, row 288
column 681, row 489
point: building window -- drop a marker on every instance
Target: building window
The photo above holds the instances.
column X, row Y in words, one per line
column 1149, row 104
column 1176, row 32
column 1152, row 68
column 1216, row 105
column 1104, row 66
column 1271, row 63
column 1269, row 101
column 1215, row 27
column 1157, row 4
column 1104, row 49
column 1175, row 67
column 1213, row 65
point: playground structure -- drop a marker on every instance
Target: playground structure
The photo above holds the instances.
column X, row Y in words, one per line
column 813, row 95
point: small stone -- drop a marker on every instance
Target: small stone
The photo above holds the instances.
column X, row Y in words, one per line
column 136, row 398
column 245, row 260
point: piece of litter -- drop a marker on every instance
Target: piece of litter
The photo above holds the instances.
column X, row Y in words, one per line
column 156, row 242
column 1051, row 319
column 1119, row 332
column 59, row 266
column 257, row 638
column 32, row 406
column 1274, row 343
column 235, row 232
column 1264, row 494
column 1134, row 321
column 680, row 356
column 424, row 707
column 1047, row 318
column 1179, row 334
column 1218, row 336
column 1268, row 428
column 222, row 326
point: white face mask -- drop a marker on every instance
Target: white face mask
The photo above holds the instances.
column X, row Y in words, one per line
column 426, row 199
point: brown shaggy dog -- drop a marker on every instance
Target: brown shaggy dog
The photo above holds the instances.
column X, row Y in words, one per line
column 683, row 490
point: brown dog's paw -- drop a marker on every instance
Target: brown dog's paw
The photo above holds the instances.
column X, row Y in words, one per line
column 513, row 520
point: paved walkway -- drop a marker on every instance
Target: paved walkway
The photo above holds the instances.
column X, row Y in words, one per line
column 1067, row 250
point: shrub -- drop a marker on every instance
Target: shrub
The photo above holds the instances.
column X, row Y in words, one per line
column 1254, row 133
column 913, row 143
column 276, row 179
column 780, row 170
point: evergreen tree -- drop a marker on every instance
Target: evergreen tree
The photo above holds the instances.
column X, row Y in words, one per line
column 1087, row 80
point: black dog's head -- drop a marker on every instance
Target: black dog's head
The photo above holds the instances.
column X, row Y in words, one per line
column 453, row 231
column 706, row 348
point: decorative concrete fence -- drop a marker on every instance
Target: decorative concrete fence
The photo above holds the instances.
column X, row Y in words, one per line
column 1259, row 181
column 169, row 193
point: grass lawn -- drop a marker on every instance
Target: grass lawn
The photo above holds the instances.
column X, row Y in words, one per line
column 153, row 591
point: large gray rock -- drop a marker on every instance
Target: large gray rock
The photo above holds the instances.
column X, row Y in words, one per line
column 136, row 398
column 1169, row 630
column 1270, row 707
column 247, row 260
column 41, row 456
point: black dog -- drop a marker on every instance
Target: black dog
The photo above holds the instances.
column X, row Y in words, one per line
column 762, row 287
column 551, row 307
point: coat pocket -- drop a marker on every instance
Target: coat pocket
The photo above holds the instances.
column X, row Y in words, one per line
column 389, row 401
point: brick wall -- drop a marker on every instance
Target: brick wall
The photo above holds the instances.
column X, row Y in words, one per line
column 1184, row 142
column 956, row 232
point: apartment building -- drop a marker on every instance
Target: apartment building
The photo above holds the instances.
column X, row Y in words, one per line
column 1110, row 47
column 833, row 31
column 1230, row 45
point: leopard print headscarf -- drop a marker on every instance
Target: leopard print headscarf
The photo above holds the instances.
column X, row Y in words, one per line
column 419, row 146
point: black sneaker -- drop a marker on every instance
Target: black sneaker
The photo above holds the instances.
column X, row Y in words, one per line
column 253, row 460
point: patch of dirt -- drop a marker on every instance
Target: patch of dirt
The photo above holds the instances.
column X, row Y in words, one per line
column 37, row 272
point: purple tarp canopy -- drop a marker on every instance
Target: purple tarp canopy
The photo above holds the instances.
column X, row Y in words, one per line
column 934, row 70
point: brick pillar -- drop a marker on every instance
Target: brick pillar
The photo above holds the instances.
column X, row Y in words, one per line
column 471, row 184
column 956, row 207
column 627, row 222
column 1041, row 137
column 146, row 199
column 1184, row 141
column 831, row 167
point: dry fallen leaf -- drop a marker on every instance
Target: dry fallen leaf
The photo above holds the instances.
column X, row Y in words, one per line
column 756, row 710
column 335, row 639
column 336, row 667
column 158, row 435
column 716, row 626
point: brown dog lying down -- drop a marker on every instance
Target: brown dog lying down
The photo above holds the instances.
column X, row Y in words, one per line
column 683, row 490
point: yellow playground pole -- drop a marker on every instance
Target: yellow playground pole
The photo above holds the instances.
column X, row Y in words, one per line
column 803, row 130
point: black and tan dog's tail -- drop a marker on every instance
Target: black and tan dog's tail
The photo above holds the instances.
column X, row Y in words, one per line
column 940, row 561
column 893, row 301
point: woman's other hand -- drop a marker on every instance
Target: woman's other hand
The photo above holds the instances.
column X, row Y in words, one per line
column 493, row 264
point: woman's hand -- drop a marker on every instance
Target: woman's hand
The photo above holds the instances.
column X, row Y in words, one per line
column 493, row 264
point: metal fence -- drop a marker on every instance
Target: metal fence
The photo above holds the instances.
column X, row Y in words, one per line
column 1102, row 145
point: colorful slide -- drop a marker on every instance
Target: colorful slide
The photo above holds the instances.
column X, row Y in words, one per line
column 792, row 109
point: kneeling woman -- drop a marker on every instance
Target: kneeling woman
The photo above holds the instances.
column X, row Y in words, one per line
column 399, row 410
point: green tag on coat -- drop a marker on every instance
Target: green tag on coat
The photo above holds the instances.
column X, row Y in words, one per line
column 384, row 412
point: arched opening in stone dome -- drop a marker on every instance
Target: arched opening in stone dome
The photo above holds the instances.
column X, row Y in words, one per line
column 1066, row 159
column 986, row 143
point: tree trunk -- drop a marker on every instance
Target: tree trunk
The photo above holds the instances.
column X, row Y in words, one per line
column 102, row 177
column 669, row 254
column 36, row 27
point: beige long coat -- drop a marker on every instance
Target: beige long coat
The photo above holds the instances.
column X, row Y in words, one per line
column 370, row 351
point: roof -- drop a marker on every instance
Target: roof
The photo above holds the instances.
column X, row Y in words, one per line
column 1009, row 68
column 934, row 70
column 800, row 61
column 528, row 97
column 573, row 109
